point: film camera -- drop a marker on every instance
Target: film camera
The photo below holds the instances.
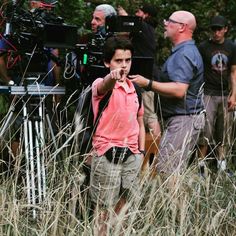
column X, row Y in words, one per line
column 30, row 33
column 91, row 55
column 41, row 26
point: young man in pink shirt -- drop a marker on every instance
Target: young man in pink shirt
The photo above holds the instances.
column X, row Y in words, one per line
column 120, row 135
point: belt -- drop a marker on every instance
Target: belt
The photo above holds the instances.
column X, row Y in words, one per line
column 118, row 154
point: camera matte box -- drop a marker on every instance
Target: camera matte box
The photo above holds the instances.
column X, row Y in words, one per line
column 59, row 36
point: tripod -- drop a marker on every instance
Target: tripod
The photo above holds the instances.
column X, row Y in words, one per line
column 34, row 118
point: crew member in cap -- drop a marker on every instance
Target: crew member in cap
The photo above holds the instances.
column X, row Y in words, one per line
column 219, row 58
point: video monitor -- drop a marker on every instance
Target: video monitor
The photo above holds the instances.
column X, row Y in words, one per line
column 59, row 36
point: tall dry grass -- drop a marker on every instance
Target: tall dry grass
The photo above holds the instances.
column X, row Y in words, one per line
column 194, row 206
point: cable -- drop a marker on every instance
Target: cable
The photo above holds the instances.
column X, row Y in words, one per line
column 10, row 64
column 70, row 68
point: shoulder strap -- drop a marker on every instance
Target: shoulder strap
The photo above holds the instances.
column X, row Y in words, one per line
column 139, row 93
column 102, row 105
column 85, row 109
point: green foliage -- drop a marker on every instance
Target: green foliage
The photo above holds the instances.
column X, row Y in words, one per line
column 78, row 12
column 74, row 11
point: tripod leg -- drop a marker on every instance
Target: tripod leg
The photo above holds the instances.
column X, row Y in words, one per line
column 7, row 122
column 37, row 149
column 29, row 159
column 42, row 145
column 26, row 141
column 32, row 169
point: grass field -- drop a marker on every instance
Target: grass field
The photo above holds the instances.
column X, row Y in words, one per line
column 194, row 206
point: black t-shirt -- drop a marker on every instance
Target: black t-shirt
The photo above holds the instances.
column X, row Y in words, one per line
column 217, row 59
column 144, row 42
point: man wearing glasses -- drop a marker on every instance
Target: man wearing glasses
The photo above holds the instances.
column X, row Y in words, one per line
column 219, row 58
column 180, row 88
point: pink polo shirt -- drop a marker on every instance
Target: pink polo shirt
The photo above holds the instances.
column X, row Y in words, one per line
column 118, row 125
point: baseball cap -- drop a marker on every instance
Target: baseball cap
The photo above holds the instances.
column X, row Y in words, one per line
column 150, row 9
column 218, row 21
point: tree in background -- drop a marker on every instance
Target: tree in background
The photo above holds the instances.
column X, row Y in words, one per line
column 79, row 12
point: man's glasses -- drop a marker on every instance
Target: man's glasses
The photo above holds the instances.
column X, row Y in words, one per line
column 166, row 22
column 216, row 28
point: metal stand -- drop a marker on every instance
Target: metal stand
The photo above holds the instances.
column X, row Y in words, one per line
column 34, row 117
column 34, row 143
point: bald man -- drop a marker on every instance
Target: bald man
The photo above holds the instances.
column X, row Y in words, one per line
column 180, row 88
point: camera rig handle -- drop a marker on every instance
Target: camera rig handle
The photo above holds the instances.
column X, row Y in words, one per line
column 32, row 90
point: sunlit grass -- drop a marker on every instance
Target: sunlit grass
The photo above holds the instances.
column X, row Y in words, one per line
column 193, row 206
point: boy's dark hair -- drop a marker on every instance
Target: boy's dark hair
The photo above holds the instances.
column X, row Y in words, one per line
column 114, row 43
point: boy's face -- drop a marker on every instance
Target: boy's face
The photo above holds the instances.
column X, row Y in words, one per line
column 121, row 59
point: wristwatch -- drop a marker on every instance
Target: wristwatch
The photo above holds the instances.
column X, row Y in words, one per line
column 149, row 86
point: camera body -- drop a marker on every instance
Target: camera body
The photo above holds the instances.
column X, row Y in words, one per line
column 41, row 27
column 113, row 24
column 90, row 55
column 31, row 36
